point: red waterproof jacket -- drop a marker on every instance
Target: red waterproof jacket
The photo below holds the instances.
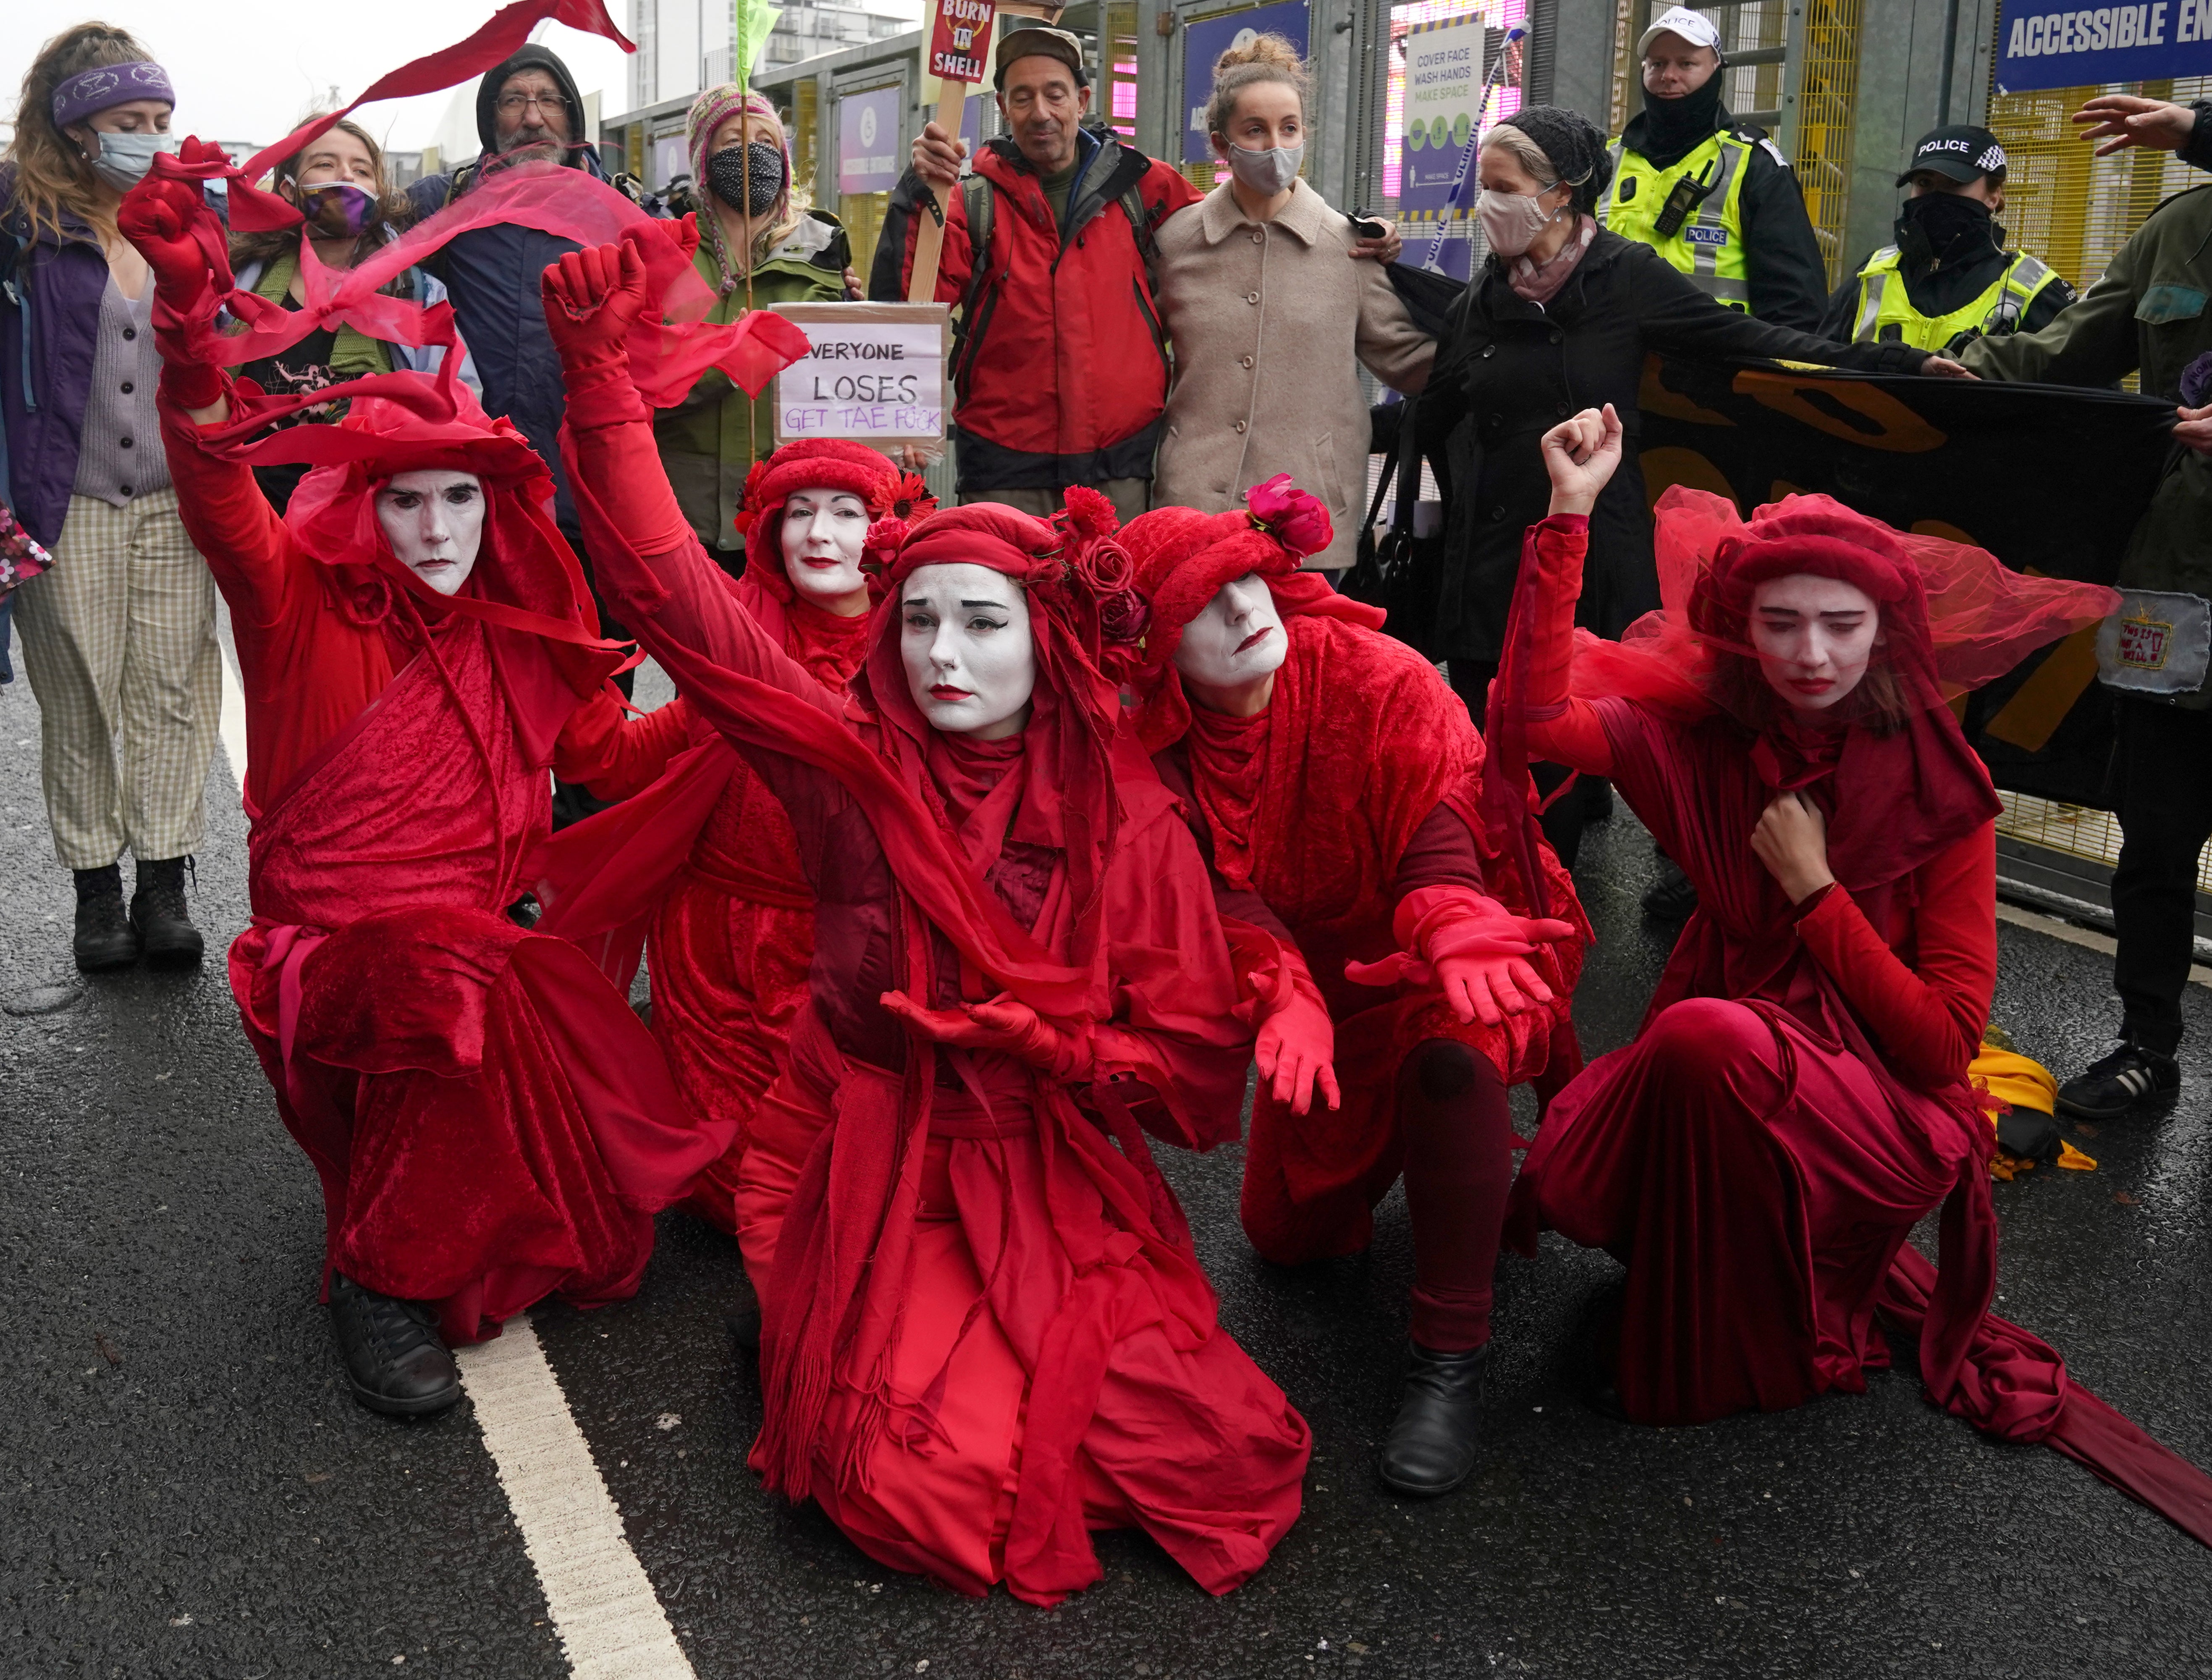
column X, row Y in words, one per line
column 1061, row 375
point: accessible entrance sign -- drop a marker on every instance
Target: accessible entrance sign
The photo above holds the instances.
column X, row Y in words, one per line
column 873, row 373
column 2063, row 44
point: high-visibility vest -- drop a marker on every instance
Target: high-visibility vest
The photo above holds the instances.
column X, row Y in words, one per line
column 1709, row 244
column 1886, row 315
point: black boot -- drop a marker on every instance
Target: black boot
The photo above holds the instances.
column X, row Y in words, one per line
column 393, row 1356
column 157, row 911
column 105, row 938
column 1672, row 896
column 1433, row 1441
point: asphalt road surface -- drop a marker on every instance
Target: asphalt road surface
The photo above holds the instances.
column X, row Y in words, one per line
column 186, row 1488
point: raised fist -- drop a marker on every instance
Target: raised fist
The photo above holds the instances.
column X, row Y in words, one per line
column 593, row 299
column 165, row 220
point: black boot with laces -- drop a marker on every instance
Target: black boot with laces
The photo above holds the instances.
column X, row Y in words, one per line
column 105, row 938
column 1432, row 1440
column 2131, row 1076
column 158, row 912
column 393, row 1356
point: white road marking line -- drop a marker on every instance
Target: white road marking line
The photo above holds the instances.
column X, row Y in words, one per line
column 603, row 1606
column 232, row 726
column 2087, row 938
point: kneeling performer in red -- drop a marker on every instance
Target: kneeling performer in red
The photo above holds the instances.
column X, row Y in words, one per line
column 1797, row 1098
column 1342, row 781
column 985, row 1330
column 490, row 1122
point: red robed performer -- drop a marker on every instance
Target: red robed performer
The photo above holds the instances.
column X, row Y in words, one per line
column 702, row 869
column 489, row 1120
column 985, row 1329
column 1341, row 780
column 1797, row 1098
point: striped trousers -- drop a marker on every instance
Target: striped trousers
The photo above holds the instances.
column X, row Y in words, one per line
column 118, row 641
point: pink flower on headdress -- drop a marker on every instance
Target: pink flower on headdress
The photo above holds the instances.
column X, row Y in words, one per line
column 1297, row 519
column 881, row 545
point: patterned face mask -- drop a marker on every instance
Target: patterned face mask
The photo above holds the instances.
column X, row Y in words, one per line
column 750, row 177
column 339, row 207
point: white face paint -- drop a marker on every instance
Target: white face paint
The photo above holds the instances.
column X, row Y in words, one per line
column 1813, row 637
column 823, row 531
column 1238, row 638
column 434, row 519
column 970, row 661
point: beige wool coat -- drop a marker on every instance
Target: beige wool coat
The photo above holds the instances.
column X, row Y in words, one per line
column 1268, row 320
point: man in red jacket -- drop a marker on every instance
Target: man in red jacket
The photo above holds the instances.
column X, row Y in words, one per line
column 1055, row 384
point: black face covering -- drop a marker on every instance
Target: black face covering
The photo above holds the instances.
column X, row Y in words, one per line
column 730, row 173
column 1945, row 229
column 1674, row 128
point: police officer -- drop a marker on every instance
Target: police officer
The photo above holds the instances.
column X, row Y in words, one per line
column 1714, row 196
column 1948, row 280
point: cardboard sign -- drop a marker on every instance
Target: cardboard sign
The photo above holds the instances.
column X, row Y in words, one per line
column 959, row 40
column 875, row 373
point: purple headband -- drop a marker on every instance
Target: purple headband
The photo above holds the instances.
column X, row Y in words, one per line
column 93, row 91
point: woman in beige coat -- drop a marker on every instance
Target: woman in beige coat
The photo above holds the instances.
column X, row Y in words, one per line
column 1268, row 312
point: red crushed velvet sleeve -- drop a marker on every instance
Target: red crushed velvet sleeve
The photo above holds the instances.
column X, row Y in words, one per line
column 1927, row 1019
column 615, row 755
column 1561, row 729
column 246, row 545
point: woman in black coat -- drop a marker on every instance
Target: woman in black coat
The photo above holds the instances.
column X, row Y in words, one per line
column 1560, row 319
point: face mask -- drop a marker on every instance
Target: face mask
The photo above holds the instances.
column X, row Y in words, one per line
column 1952, row 224
column 757, row 166
column 434, row 519
column 971, row 668
column 1237, row 639
column 339, row 207
column 124, row 159
column 1269, row 171
column 822, row 533
column 1510, row 221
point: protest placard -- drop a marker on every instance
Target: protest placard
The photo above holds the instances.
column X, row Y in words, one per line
column 874, row 373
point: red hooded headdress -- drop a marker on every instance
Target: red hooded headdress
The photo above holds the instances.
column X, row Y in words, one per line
column 825, row 463
column 1183, row 559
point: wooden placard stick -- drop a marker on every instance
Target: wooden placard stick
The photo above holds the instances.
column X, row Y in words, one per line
column 957, row 43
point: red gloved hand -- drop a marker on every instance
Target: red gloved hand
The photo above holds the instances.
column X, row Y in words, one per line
column 1296, row 1050
column 1470, row 946
column 593, row 299
column 1005, row 1025
column 170, row 223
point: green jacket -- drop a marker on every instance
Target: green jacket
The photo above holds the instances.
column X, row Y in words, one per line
column 2151, row 313
column 707, row 444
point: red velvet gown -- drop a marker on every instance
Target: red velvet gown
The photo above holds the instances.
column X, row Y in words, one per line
column 1031, row 1350
column 489, row 1120
column 1357, row 783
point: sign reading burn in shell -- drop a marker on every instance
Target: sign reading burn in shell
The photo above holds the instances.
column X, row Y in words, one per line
column 957, row 41
column 874, row 372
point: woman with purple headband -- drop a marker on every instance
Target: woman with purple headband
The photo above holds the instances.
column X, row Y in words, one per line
column 120, row 637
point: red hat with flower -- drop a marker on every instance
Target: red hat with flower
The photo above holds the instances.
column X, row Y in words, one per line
column 1183, row 557
column 822, row 463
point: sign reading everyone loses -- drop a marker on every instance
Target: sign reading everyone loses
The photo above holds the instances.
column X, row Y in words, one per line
column 875, row 373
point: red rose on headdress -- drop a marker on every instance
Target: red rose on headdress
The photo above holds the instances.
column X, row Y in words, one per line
column 882, row 543
column 1297, row 519
column 1124, row 617
column 749, row 506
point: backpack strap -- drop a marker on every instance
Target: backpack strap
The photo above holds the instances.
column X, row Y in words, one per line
column 1140, row 225
column 979, row 199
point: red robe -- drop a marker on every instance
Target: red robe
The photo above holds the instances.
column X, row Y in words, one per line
column 1315, row 803
column 489, row 1120
column 1024, row 1346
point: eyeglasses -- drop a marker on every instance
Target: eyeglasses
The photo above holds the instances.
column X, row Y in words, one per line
column 513, row 105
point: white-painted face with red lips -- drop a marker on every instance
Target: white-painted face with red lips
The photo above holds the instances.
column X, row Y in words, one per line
column 965, row 639
column 1237, row 639
column 824, row 533
column 434, row 519
column 1813, row 637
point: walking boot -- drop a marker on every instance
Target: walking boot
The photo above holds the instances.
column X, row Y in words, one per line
column 1432, row 1445
column 2131, row 1076
column 393, row 1355
column 157, row 911
column 105, row 938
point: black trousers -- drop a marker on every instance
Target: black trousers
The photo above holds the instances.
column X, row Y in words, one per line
column 1563, row 822
column 2163, row 781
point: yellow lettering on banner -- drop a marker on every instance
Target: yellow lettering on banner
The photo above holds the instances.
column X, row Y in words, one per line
column 1895, row 426
column 1654, row 398
column 2040, row 704
column 1664, row 468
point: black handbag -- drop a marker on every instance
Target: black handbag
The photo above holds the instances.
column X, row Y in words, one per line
column 1400, row 572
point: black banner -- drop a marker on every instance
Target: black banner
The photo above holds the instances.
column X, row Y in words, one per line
column 2049, row 479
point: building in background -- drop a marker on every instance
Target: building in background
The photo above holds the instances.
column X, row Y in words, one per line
column 683, row 45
